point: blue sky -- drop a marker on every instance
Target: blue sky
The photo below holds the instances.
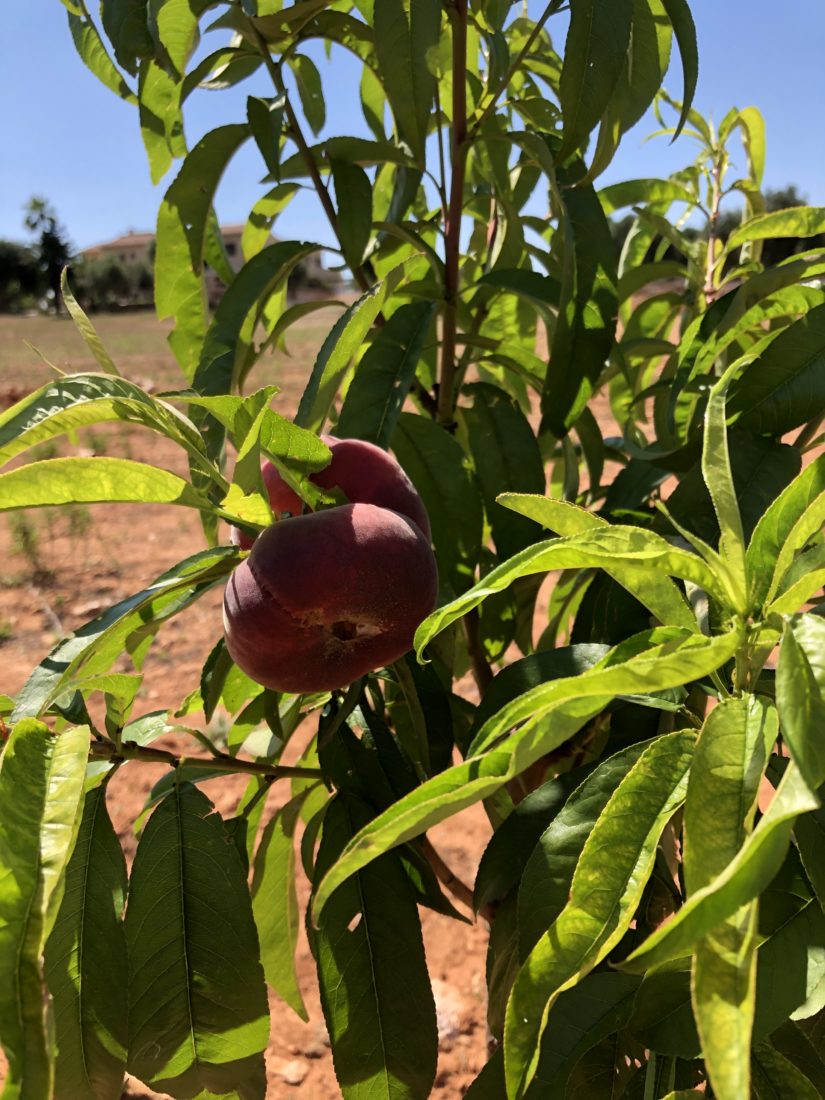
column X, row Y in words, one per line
column 70, row 139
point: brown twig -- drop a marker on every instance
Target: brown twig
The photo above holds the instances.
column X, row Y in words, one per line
column 451, row 882
column 222, row 762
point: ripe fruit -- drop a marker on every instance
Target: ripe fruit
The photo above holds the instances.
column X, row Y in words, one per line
column 364, row 473
column 326, row 597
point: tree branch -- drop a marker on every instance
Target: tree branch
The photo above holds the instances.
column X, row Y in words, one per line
column 221, row 761
column 452, row 246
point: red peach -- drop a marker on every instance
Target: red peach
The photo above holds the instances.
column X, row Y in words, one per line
column 366, row 475
column 327, row 597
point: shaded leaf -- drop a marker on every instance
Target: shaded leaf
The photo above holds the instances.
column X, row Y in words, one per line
column 86, row 963
column 198, row 1015
column 41, row 800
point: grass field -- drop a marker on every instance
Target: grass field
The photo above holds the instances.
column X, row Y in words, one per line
column 138, row 344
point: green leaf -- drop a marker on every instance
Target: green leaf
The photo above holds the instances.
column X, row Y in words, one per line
column 571, row 702
column 716, row 470
column 41, row 796
column 776, row 1078
column 440, row 471
column 801, row 709
column 354, row 150
column 181, row 234
column 506, row 856
column 89, row 480
column 785, row 528
column 198, row 1016
column 266, row 120
column 126, row 27
column 785, row 386
column 761, row 469
column 385, row 373
column 336, row 354
column 589, row 304
column 635, row 192
column 229, row 337
column 721, row 803
column 684, row 29
column 506, row 456
column 607, row 886
column 353, row 193
column 63, row 405
column 161, row 119
column 96, row 646
column 310, row 90
column 594, row 56
column 85, row 327
column 620, row 551
column 744, row 878
column 375, row 990
column 583, row 1016
column 89, row 45
column 275, row 904
column 406, row 33
column 174, row 24
column 258, row 226
column 545, row 885
column 799, row 221
column 86, row 962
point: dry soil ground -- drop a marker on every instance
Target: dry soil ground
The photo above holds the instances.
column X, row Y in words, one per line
column 58, row 568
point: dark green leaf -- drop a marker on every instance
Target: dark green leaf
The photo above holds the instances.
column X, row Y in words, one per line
column 336, row 354
column 589, row 305
column 384, row 375
column 507, row 458
column 375, row 989
column 506, row 856
column 86, row 963
column 594, row 57
column 266, row 120
column 614, row 865
column 126, row 26
column 230, row 333
column 545, row 884
column 685, row 31
column 406, row 32
column 310, row 91
column 785, row 386
column 353, row 193
column 775, row 1078
column 198, row 1016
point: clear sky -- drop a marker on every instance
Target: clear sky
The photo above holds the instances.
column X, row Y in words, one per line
column 68, row 138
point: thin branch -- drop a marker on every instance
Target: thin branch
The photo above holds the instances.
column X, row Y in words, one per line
column 482, row 673
column 551, row 9
column 222, row 762
column 451, row 882
column 452, row 246
column 297, row 135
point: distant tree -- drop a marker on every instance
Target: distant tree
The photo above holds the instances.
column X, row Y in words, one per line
column 20, row 278
column 54, row 252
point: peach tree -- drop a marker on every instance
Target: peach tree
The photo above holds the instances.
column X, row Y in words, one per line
column 648, row 742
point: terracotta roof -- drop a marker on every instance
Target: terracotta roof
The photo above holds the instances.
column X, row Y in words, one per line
column 143, row 240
